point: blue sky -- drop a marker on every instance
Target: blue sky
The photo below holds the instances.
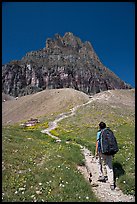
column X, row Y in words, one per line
column 108, row 26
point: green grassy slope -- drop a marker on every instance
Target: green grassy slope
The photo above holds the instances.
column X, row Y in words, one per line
column 36, row 168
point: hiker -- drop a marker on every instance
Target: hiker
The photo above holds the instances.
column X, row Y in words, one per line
column 104, row 161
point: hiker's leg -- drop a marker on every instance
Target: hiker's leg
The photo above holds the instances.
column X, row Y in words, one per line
column 104, row 166
column 99, row 162
column 110, row 173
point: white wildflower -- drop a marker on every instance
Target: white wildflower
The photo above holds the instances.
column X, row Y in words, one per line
column 38, row 192
column 32, row 196
column 21, row 189
column 40, row 184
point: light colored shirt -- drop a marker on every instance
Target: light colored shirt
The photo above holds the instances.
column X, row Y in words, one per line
column 98, row 135
column 98, row 139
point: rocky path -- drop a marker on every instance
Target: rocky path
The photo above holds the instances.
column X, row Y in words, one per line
column 102, row 190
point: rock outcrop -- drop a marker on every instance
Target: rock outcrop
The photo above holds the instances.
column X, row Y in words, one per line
column 64, row 62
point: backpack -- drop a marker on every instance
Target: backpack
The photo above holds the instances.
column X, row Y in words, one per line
column 108, row 141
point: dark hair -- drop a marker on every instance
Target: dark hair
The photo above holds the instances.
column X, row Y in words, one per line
column 102, row 125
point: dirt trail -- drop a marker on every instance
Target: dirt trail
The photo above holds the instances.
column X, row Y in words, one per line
column 102, row 190
column 53, row 125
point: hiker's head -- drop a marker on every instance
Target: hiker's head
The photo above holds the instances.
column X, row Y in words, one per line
column 102, row 125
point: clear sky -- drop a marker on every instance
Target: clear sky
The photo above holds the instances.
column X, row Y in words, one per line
column 108, row 26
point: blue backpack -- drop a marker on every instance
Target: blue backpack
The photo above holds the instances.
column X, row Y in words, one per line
column 108, row 142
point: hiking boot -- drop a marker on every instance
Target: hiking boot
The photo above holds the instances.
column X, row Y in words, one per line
column 101, row 178
column 106, row 178
column 112, row 187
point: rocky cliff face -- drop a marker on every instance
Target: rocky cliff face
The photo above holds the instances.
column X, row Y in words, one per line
column 64, row 62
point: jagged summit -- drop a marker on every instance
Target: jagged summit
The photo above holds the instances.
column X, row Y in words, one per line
column 64, row 62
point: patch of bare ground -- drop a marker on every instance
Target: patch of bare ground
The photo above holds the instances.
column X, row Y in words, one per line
column 52, row 101
column 120, row 97
column 43, row 103
column 6, row 97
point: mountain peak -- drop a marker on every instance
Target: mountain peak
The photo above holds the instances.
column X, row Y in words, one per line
column 65, row 62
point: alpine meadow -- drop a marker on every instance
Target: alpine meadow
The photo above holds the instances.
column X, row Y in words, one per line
column 38, row 168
